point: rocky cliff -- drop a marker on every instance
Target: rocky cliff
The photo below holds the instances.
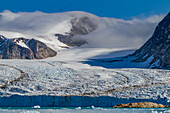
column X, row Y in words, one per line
column 157, row 48
column 21, row 48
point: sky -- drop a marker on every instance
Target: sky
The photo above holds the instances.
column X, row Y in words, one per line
column 124, row 9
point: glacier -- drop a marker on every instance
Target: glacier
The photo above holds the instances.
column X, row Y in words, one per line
column 71, row 83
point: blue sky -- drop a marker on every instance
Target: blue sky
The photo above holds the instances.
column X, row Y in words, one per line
column 106, row 8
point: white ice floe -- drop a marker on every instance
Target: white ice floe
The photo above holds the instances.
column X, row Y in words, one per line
column 37, row 107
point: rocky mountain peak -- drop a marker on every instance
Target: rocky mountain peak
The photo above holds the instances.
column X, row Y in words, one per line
column 80, row 26
column 22, row 48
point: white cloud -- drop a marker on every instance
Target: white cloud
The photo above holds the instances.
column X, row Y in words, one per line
column 124, row 33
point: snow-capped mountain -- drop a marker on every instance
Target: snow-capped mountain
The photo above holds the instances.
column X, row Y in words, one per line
column 157, row 47
column 78, row 28
column 58, row 30
column 21, row 48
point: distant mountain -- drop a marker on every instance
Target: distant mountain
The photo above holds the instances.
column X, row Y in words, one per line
column 157, row 48
column 21, row 48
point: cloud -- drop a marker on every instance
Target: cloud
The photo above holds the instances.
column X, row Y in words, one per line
column 123, row 33
column 35, row 23
column 110, row 32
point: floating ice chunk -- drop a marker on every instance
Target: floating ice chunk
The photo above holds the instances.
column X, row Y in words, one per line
column 168, row 111
column 92, row 107
column 36, row 107
column 78, row 108
column 154, row 112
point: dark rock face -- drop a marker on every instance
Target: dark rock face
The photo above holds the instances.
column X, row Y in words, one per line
column 80, row 26
column 157, row 47
column 70, row 41
column 21, row 48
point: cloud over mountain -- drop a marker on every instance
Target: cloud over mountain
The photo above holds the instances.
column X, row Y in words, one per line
column 110, row 32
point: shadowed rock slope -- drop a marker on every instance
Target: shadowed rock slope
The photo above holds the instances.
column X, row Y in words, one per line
column 157, row 48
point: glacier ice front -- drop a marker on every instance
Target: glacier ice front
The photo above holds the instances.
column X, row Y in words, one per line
column 69, row 101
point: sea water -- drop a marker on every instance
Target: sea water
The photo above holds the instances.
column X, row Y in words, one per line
column 82, row 110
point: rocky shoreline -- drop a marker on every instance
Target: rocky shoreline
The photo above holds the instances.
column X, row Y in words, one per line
column 141, row 105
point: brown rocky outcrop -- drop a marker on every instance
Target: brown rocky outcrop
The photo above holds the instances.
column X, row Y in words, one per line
column 21, row 48
column 140, row 105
